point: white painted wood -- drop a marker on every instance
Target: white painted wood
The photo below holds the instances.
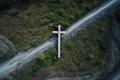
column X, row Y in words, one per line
column 59, row 32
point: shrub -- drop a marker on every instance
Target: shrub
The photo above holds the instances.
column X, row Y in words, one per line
column 44, row 21
column 33, row 42
column 62, row 22
column 61, row 12
column 71, row 17
column 42, row 56
column 90, row 56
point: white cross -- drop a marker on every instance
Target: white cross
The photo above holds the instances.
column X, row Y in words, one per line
column 59, row 32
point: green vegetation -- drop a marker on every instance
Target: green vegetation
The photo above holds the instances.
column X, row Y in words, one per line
column 90, row 56
column 29, row 22
column 81, row 53
column 42, row 56
column 84, row 52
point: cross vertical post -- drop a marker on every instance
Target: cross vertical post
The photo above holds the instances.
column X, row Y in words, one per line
column 59, row 32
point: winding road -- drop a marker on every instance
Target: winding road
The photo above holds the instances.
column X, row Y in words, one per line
column 24, row 57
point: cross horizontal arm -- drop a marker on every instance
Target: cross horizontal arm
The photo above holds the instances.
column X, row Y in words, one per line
column 59, row 32
column 62, row 31
column 55, row 32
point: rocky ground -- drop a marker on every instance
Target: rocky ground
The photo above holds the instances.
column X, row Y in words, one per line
column 7, row 49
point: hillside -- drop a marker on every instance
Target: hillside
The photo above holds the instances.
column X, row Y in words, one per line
column 28, row 23
column 86, row 52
